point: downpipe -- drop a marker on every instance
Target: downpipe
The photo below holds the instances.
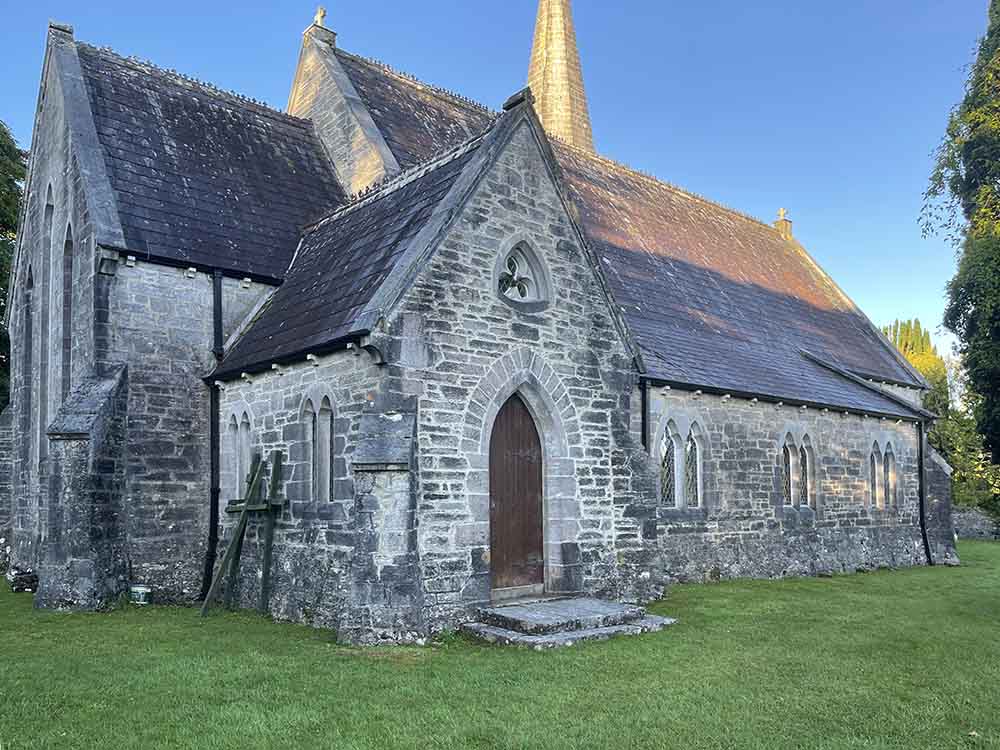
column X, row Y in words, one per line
column 212, row 547
column 922, row 471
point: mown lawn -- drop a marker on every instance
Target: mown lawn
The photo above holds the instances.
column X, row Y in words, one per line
column 903, row 659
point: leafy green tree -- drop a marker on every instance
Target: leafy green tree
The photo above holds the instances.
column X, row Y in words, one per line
column 975, row 479
column 963, row 199
column 13, row 165
column 973, row 313
column 914, row 343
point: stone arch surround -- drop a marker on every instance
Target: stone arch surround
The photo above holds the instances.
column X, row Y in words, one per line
column 526, row 373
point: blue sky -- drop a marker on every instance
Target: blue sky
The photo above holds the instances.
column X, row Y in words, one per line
column 830, row 109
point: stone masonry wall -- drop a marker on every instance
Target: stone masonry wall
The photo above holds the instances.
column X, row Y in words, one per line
column 463, row 352
column 972, row 523
column 37, row 376
column 162, row 329
column 323, row 93
column 84, row 561
column 744, row 528
column 317, row 577
column 6, row 467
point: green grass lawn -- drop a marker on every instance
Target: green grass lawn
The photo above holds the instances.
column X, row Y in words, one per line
column 903, row 659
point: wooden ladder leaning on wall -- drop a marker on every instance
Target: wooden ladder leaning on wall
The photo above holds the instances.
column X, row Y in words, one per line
column 256, row 501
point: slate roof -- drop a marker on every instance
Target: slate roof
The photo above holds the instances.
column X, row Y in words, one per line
column 714, row 298
column 418, row 121
column 203, row 177
column 718, row 299
column 340, row 265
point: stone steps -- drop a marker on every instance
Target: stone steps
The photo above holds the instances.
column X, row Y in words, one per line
column 561, row 622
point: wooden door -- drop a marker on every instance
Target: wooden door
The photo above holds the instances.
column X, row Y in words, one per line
column 516, row 498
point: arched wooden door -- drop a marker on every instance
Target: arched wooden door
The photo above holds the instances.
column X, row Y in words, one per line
column 517, row 559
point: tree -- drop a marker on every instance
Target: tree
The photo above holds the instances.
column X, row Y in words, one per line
column 963, row 199
column 975, row 478
column 914, row 343
column 13, row 166
column 973, row 313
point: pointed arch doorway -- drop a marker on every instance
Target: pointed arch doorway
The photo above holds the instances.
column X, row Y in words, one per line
column 517, row 560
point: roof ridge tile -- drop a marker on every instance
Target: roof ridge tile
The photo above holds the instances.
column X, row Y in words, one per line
column 660, row 181
column 144, row 65
column 409, row 77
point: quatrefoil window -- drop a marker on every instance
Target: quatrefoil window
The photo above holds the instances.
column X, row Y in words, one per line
column 513, row 282
column 521, row 277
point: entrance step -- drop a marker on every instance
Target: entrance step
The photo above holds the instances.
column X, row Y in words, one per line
column 561, row 622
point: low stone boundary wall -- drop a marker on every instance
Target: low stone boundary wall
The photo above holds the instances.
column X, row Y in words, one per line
column 972, row 523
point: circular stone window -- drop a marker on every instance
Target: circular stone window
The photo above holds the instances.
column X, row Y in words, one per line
column 521, row 279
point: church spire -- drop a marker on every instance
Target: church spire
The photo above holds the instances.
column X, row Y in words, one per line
column 555, row 77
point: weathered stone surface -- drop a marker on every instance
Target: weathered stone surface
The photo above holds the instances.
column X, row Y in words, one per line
column 6, row 486
column 559, row 615
column 84, row 561
column 972, row 523
column 554, row 623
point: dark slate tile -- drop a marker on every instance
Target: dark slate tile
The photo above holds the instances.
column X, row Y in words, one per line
column 342, row 262
column 203, row 176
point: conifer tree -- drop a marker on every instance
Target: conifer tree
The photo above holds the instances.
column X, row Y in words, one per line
column 914, row 343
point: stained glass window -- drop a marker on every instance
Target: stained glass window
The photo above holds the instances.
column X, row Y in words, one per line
column 668, row 472
column 692, row 492
column 804, row 478
column 889, row 469
column 786, row 474
column 874, row 479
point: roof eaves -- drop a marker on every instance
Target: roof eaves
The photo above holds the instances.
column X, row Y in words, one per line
column 919, row 380
column 923, row 413
column 771, row 398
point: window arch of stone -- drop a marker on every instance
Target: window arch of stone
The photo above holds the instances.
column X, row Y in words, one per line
column 790, row 472
column 67, row 311
column 27, row 366
column 521, row 277
column 671, row 465
column 44, row 284
column 889, row 476
column 232, row 452
column 876, row 490
column 244, row 459
column 317, row 418
column 808, row 494
column 681, row 431
column 694, row 462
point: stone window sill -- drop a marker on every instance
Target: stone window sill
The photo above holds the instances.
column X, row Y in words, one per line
column 681, row 515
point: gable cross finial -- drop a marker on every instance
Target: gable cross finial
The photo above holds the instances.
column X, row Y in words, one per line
column 320, row 16
column 783, row 224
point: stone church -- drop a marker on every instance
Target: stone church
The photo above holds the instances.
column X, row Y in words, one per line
column 469, row 358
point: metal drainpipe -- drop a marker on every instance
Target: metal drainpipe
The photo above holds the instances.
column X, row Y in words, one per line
column 644, row 401
column 922, row 469
column 213, row 439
